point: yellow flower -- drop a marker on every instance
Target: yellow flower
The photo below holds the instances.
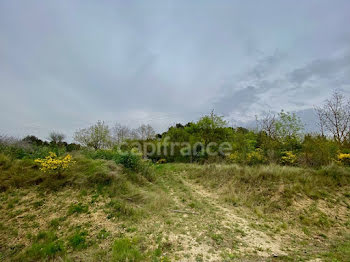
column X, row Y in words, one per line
column 289, row 158
column 53, row 163
column 344, row 159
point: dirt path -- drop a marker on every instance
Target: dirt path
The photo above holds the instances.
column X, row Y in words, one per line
column 254, row 240
column 212, row 230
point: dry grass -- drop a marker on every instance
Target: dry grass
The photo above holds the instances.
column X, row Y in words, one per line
column 101, row 212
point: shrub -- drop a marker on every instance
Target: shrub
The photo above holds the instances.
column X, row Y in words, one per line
column 129, row 160
column 234, row 158
column 53, row 163
column 256, row 157
column 288, row 158
column 105, row 154
column 344, row 159
column 5, row 161
column 318, row 151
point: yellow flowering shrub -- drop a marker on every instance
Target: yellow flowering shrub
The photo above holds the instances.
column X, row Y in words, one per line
column 233, row 157
column 54, row 163
column 344, row 159
column 289, row 158
column 256, row 157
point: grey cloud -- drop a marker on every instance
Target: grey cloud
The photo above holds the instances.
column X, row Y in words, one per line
column 66, row 64
column 325, row 68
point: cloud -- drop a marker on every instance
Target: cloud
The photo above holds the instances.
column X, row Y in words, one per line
column 65, row 65
column 326, row 68
column 271, row 86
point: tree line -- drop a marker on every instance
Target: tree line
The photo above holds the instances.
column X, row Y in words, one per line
column 278, row 138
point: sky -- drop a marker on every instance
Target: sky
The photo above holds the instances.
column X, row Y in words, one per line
column 66, row 64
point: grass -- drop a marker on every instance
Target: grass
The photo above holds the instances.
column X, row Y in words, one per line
column 46, row 245
column 78, row 240
column 340, row 251
column 102, row 210
column 124, row 250
column 78, row 209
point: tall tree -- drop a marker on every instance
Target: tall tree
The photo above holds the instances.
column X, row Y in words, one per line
column 334, row 117
column 120, row 133
column 144, row 132
column 56, row 137
column 96, row 136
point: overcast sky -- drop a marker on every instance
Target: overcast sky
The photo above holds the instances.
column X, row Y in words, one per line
column 66, row 64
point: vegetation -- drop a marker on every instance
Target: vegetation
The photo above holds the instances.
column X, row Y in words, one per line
column 277, row 195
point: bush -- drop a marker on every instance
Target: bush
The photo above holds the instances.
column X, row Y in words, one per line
column 288, row 158
column 256, row 157
column 344, row 159
column 129, row 160
column 105, row 154
column 318, row 151
column 54, row 164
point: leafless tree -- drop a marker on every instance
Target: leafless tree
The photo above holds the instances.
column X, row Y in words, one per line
column 120, row 133
column 334, row 116
column 13, row 141
column 144, row 132
column 56, row 137
column 268, row 124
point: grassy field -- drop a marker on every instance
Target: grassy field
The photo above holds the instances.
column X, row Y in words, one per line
column 100, row 211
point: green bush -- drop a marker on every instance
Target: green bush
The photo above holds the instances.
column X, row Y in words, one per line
column 129, row 160
column 105, row 154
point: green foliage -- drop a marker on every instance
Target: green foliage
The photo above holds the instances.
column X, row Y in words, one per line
column 318, row 151
column 96, row 136
column 129, row 160
column 288, row 126
column 125, row 250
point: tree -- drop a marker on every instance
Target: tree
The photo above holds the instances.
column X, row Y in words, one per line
column 288, row 125
column 56, row 137
column 211, row 121
column 33, row 140
column 96, row 136
column 334, row 117
column 144, row 132
column 267, row 124
column 120, row 133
